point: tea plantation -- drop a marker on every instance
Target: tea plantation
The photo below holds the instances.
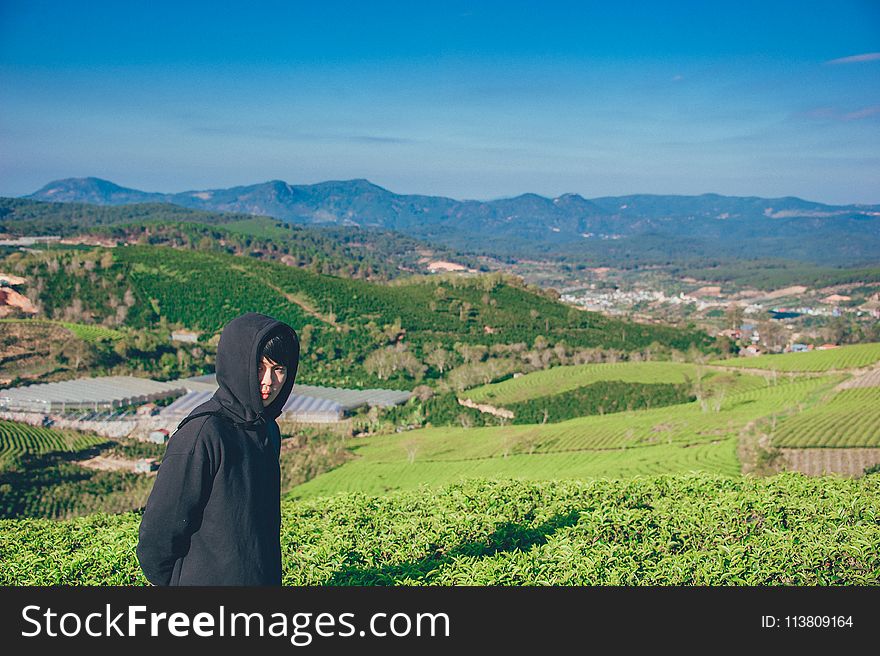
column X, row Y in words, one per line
column 693, row 529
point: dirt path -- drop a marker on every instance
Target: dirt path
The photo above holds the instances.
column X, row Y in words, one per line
column 305, row 305
column 485, row 407
column 109, row 463
column 869, row 378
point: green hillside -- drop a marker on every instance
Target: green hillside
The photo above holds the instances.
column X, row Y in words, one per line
column 852, row 356
column 339, row 250
column 563, row 379
column 348, row 326
column 676, row 438
column 660, row 530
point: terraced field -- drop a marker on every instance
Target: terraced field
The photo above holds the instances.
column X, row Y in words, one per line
column 661, row 530
column 562, row 379
column 676, row 438
column 39, row 478
column 852, row 356
column 381, row 477
column 17, row 439
column 849, row 418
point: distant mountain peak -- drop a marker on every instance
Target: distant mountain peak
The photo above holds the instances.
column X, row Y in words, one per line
column 91, row 190
column 657, row 224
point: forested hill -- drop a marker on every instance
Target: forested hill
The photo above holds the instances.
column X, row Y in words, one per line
column 609, row 230
column 353, row 332
column 347, row 251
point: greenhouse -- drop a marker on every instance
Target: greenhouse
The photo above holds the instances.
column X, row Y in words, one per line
column 297, row 408
column 102, row 393
column 348, row 398
column 306, row 403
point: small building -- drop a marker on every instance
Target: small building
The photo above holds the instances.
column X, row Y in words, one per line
column 751, row 350
column 800, row 348
column 147, row 410
column 159, row 436
column 185, row 336
column 826, row 347
column 145, row 466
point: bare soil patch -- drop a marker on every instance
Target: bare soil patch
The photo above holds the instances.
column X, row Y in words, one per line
column 816, row 462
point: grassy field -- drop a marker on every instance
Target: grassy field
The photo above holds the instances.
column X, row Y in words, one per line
column 563, row 379
column 660, row 530
column 845, row 357
column 672, row 439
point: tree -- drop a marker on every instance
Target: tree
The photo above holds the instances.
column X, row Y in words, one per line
column 734, row 315
column 440, row 359
column 411, row 447
column 386, row 361
column 837, row 330
column 472, row 353
column 773, row 334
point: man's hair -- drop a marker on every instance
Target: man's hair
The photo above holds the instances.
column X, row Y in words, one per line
column 278, row 349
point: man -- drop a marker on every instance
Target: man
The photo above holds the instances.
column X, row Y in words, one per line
column 214, row 514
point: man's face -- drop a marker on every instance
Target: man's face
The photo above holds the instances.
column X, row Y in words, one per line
column 271, row 376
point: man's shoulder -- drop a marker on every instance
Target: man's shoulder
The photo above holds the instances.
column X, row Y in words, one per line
column 208, row 430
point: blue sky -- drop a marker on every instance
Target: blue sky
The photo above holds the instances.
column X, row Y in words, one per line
column 462, row 99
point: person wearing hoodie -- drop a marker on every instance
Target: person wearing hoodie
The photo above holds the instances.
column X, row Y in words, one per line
column 213, row 516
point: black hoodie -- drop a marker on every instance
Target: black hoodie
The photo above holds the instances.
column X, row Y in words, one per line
column 214, row 514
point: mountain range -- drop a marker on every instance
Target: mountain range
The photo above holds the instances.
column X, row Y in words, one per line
column 645, row 228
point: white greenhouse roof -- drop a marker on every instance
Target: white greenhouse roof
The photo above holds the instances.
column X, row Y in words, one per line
column 347, row 398
column 303, row 408
column 104, row 391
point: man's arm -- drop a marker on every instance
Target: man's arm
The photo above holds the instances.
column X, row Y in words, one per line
column 174, row 510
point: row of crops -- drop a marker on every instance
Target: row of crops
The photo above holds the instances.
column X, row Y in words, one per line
column 54, row 488
column 562, row 379
column 18, row 439
column 673, row 438
column 377, row 477
column 849, row 418
column 200, row 291
column 687, row 529
column 601, row 397
column 852, row 356
column 39, row 476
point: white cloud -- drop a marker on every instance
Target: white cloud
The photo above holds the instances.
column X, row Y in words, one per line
column 832, row 114
column 862, row 113
column 855, row 59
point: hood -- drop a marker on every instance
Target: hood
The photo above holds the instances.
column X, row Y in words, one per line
column 238, row 351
